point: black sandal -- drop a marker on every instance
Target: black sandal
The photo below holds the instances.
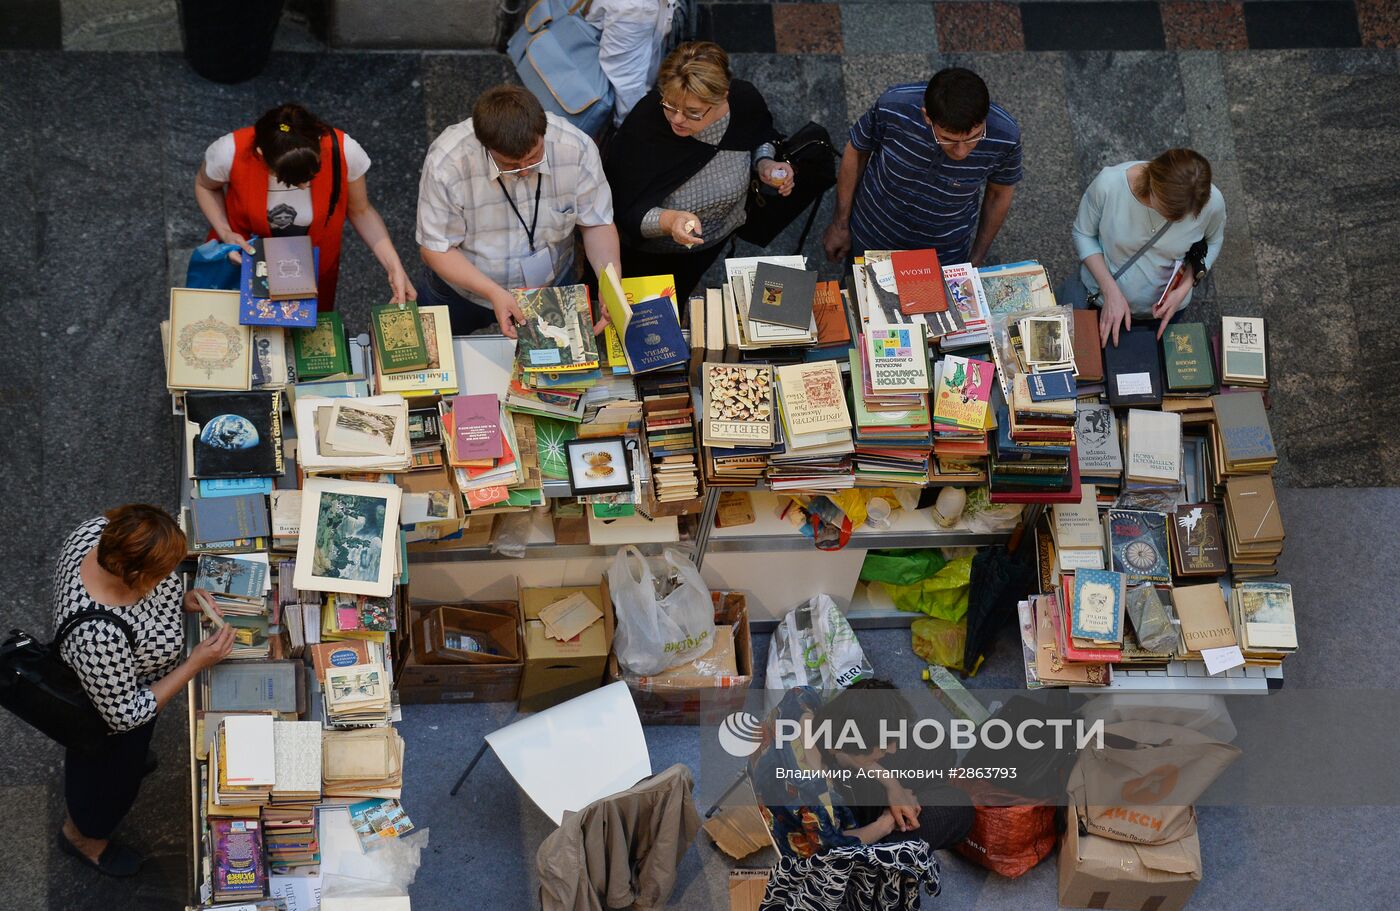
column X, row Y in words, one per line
column 116, row 860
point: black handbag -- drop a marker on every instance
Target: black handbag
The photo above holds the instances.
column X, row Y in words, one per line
column 38, row 686
column 814, row 159
column 1196, row 261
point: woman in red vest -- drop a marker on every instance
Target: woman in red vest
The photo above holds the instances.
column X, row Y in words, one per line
column 291, row 174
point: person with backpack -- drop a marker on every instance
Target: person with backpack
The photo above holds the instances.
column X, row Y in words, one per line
column 123, row 564
column 291, row 174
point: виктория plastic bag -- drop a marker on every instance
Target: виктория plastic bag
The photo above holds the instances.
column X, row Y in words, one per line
column 661, row 621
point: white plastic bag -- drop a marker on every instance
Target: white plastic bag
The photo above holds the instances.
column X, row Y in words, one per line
column 815, row 646
column 661, row 621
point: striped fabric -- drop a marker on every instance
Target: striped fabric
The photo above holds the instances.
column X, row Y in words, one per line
column 913, row 196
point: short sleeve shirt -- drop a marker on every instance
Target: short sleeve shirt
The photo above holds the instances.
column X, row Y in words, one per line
column 911, row 195
column 289, row 209
column 462, row 202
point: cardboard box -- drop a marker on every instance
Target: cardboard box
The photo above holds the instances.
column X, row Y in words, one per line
column 498, row 634
column 422, row 682
column 556, row 671
column 679, row 699
column 746, row 888
column 1102, row 873
column 739, row 830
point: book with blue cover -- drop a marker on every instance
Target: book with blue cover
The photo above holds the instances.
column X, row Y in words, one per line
column 256, row 309
column 1097, row 611
column 210, row 488
column 653, row 337
column 228, row 518
column 1052, row 386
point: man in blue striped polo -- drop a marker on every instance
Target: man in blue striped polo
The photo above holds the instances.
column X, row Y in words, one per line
column 913, row 173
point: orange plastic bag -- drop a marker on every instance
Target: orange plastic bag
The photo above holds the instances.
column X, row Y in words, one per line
column 1009, row 840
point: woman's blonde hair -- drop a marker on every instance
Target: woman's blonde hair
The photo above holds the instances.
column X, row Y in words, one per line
column 699, row 68
column 1177, row 181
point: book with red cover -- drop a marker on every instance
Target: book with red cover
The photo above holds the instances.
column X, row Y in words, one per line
column 830, row 312
column 476, row 429
column 1088, row 354
column 1073, row 495
column 919, row 280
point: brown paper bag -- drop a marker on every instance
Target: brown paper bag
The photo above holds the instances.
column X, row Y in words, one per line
column 1141, row 785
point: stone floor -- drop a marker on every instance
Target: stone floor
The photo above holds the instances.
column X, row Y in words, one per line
column 102, row 126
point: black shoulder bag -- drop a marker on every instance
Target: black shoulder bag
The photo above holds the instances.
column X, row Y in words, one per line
column 813, row 158
column 37, row 685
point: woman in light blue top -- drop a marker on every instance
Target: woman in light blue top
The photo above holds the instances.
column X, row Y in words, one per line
column 1124, row 207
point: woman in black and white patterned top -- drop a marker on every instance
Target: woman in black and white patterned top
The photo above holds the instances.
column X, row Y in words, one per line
column 123, row 563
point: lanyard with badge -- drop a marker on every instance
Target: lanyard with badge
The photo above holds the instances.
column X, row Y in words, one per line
column 538, row 267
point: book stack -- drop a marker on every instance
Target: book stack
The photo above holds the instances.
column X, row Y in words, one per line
column 1253, row 527
column 1186, row 358
column 1030, row 469
column 322, row 352
column 251, row 635
column 226, row 525
column 360, row 764
column 966, row 296
column 413, row 351
column 891, row 444
column 339, row 435
column 556, row 333
column 1244, row 444
column 1197, row 541
column 290, row 836
column 1077, row 533
column 357, row 695
column 895, row 287
column 829, row 312
column 1051, row 639
column 1206, row 631
column 1153, row 451
column 962, row 396
column 811, row 401
column 1263, row 616
column 737, row 429
column 238, row 584
column 1133, row 370
column 563, row 402
column 243, row 761
column 1043, row 407
column 669, row 425
column 425, row 439
column 1094, row 617
column 296, row 761
column 1242, row 352
column 284, row 507
column 644, row 329
column 766, row 313
column 361, row 617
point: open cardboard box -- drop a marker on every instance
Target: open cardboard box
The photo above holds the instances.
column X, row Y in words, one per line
column 556, row 671
column 672, row 699
column 422, row 682
column 1098, row 872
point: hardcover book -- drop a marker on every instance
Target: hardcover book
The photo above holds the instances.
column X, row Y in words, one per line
column 237, row 434
column 653, row 337
column 897, row 359
column 964, row 393
column 1198, row 543
column 1097, row 612
column 291, row 267
column 1252, row 507
column 1053, row 386
column 321, row 351
column 1266, row 613
column 238, row 866
column 1096, row 431
column 1133, row 369
column 1205, row 620
column 1088, row 355
column 557, row 334
column 398, row 337
column 476, row 427
column 1137, row 544
column 918, row 278
column 1244, row 429
column 783, row 296
column 439, row 377
column 814, row 398
column 1242, row 349
column 228, row 518
column 738, row 401
column 1186, row 356
column 246, row 579
column 1154, row 446
column 208, row 348
column 829, row 310
column 255, row 308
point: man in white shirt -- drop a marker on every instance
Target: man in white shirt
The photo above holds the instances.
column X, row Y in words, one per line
column 629, row 46
column 500, row 197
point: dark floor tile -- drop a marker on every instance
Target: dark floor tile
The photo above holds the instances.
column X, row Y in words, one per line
column 1379, row 21
column 887, row 28
column 807, row 28
column 977, row 26
column 1134, row 25
column 1301, row 23
column 32, row 25
column 1124, row 106
column 738, row 27
column 1204, row 25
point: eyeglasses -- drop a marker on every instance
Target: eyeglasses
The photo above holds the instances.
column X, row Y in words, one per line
column 671, row 109
column 954, row 143
column 502, row 172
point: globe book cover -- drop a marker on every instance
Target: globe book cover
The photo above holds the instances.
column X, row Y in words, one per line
column 557, row 332
column 236, row 434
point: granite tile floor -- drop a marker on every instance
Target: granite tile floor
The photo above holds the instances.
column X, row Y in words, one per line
column 98, row 148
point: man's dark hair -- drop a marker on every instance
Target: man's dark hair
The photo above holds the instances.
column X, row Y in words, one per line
column 508, row 120
column 867, row 703
column 956, row 100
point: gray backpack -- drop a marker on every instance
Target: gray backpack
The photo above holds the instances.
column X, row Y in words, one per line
column 555, row 53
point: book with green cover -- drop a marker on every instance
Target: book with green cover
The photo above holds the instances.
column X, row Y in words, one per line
column 398, row 337
column 321, row 350
column 1186, row 354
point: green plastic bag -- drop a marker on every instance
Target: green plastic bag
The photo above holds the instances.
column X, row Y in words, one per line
column 939, row 641
column 900, row 567
column 943, row 595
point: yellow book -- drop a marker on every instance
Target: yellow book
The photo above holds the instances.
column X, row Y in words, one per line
column 618, row 295
column 440, row 376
